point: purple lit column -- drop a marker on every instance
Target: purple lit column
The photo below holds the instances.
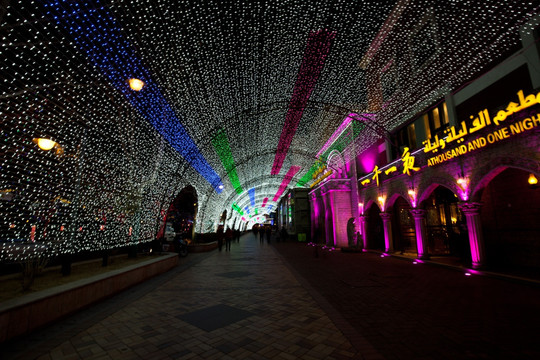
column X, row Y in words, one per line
column 419, row 216
column 314, row 216
column 387, row 225
column 363, row 227
column 328, row 220
column 476, row 238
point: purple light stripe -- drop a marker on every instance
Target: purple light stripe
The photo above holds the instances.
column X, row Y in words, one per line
column 317, row 50
column 341, row 128
column 336, row 134
column 286, row 180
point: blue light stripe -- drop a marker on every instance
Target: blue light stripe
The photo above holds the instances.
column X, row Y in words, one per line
column 97, row 32
column 251, row 193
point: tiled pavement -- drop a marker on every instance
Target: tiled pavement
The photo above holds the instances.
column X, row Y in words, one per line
column 242, row 304
column 258, row 303
column 423, row 311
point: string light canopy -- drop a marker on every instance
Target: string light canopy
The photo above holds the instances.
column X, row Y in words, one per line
column 235, row 98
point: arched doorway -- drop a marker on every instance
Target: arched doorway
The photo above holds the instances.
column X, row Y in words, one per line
column 182, row 213
column 510, row 221
column 446, row 225
column 403, row 231
column 375, row 228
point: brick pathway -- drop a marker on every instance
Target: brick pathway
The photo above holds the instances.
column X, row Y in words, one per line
column 258, row 303
column 242, row 304
column 422, row 311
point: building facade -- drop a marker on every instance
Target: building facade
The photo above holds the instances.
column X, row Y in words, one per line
column 455, row 174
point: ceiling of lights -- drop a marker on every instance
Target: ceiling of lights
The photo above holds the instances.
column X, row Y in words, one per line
column 230, row 87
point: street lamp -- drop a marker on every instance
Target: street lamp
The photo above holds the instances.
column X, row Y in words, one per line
column 136, row 84
column 45, row 144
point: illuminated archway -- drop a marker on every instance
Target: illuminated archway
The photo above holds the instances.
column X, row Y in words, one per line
column 183, row 212
column 374, row 227
column 509, row 217
column 445, row 224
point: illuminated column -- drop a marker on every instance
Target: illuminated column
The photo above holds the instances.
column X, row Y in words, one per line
column 474, row 226
column 315, row 211
column 363, row 227
column 328, row 220
column 419, row 216
column 387, row 224
column 354, row 192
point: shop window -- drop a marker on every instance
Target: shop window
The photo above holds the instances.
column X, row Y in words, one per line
column 435, row 121
column 405, row 137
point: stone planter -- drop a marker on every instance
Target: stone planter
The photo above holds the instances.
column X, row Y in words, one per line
column 24, row 314
column 204, row 247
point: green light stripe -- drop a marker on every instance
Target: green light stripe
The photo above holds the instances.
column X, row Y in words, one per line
column 221, row 145
column 309, row 175
column 237, row 208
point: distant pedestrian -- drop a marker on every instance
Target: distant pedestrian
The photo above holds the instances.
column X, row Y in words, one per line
column 261, row 234
column 268, row 234
column 220, row 235
column 284, row 235
column 228, row 239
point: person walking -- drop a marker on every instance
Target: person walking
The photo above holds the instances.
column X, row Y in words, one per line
column 220, row 236
column 261, row 235
column 228, row 239
column 268, row 234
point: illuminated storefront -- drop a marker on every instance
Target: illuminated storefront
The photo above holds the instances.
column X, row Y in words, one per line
column 458, row 178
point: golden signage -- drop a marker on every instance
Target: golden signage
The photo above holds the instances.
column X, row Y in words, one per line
column 459, row 133
column 408, row 165
column 491, row 138
column 481, row 121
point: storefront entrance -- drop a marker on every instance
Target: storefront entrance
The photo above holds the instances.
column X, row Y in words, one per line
column 446, row 226
column 404, row 234
column 375, row 229
column 510, row 220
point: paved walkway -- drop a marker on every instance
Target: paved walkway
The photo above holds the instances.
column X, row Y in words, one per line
column 282, row 302
column 242, row 304
column 424, row 311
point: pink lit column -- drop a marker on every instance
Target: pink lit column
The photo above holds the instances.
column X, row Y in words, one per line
column 476, row 238
column 387, row 225
column 328, row 220
column 363, row 227
column 419, row 216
